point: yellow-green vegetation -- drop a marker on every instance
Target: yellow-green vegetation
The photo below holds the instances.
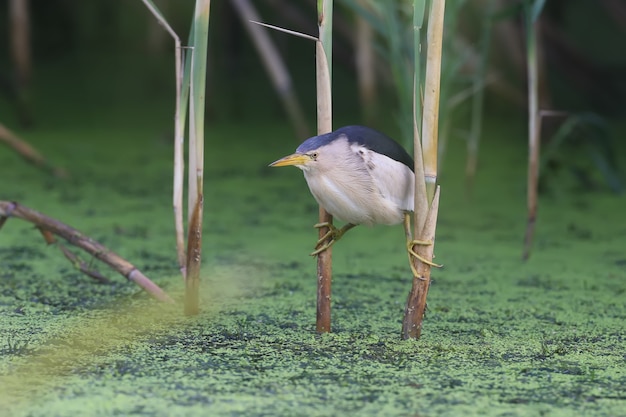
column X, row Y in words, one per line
column 501, row 337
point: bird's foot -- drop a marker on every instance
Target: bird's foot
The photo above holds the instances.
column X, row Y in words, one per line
column 330, row 237
column 411, row 252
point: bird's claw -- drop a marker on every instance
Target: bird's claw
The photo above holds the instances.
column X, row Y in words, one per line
column 410, row 242
column 331, row 233
column 331, row 236
column 409, row 248
column 322, row 248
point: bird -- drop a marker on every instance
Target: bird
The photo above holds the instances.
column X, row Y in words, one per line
column 361, row 177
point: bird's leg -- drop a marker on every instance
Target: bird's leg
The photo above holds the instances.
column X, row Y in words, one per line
column 333, row 234
column 410, row 242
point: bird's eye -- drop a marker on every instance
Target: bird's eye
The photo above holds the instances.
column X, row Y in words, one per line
column 313, row 155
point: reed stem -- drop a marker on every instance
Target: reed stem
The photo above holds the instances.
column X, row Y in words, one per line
column 323, row 59
column 196, row 154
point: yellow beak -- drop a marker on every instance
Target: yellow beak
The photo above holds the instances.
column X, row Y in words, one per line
column 295, row 159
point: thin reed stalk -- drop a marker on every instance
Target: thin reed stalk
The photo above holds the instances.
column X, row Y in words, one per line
column 323, row 60
column 432, row 81
column 421, row 200
column 196, row 155
column 416, row 302
column 532, row 13
column 180, row 114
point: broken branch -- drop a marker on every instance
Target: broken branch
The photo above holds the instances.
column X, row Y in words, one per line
column 76, row 238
